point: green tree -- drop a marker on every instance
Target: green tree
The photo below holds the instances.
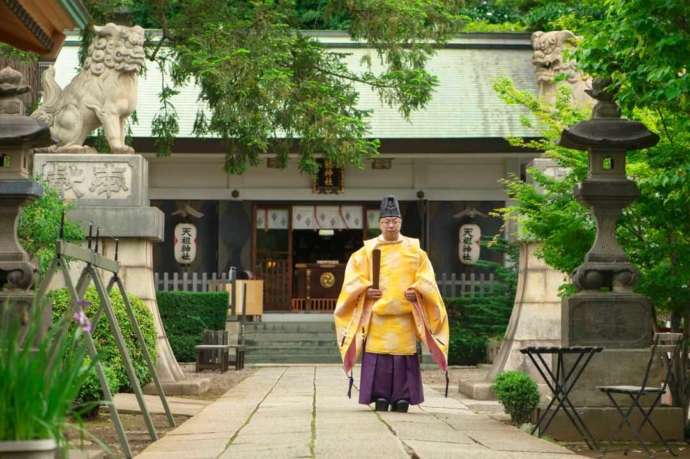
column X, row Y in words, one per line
column 269, row 86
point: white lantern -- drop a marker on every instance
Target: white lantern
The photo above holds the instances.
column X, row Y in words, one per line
column 469, row 245
column 185, row 243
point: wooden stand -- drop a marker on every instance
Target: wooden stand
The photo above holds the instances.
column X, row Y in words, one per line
column 255, row 297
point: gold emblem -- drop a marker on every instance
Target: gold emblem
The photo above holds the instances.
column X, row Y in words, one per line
column 327, row 280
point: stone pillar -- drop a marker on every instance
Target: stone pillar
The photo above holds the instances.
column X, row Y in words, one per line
column 18, row 134
column 536, row 316
column 111, row 192
column 606, row 311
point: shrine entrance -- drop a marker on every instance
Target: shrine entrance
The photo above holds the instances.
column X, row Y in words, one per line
column 300, row 252
column 319, row 266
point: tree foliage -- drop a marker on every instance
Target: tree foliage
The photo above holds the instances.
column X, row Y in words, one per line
column 531, row 15
column 266, row 85
column 653, row 231
column 643, row 46
column 474, row 319
column 39, row 226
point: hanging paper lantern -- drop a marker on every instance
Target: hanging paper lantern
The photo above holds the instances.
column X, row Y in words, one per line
column 185, row 243
column 469, row 246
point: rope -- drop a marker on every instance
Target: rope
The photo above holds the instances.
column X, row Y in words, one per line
column 447, row 381
column 349, row 388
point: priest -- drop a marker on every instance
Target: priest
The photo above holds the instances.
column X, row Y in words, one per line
column 389, row 301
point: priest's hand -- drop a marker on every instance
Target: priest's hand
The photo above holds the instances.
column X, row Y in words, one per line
column 374, row 293
column 411, row 295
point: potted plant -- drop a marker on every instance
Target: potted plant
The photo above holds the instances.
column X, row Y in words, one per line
column 40, row 375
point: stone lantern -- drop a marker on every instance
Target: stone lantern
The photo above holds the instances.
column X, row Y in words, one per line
column 18, row 135
column 605, row 311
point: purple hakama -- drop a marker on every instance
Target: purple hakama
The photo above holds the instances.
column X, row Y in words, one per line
column 393, row 377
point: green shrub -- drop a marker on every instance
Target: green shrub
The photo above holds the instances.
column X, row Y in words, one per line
column 90, row 391
column 39, row 226
column 466, row 348
column 518, row 394
column 483, row 315
column 476, row 318
column 185, row 315
column 105, row 342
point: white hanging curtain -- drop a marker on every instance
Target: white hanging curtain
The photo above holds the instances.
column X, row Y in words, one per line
column 327, row 217
column 271, row 218
column 373, row 218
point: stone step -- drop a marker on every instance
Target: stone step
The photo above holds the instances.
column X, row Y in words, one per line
column 290, row 336
column 291, row 342
column 270, row 327
column 285, row 359
column 290, row 347
column 296, row 342
column 277, row 347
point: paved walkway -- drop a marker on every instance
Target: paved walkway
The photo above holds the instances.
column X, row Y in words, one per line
column 302, row 411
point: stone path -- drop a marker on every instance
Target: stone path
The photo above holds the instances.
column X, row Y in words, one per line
column 302, row 412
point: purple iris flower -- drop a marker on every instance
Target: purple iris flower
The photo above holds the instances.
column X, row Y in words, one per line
column 83, row 321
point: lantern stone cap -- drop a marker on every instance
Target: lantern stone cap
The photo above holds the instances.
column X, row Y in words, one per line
column 21, row 188
column 11, row 83
column 608, row 134
column 24, row 132
column 607, row 131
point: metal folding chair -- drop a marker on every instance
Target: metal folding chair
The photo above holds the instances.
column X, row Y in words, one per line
column 666, row 347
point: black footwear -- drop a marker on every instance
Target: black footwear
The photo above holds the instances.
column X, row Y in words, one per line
column 382, row 404
column 401, row 406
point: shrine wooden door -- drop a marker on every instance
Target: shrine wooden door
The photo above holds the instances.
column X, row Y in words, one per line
column 272, row 255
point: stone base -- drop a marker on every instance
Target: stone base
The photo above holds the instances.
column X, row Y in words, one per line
column 121, row 222
column 71, row 149
column 613, row 367
column 482, row 390
column 603, row 421
column 609, row 319
column 196, row 386
column 477, row 390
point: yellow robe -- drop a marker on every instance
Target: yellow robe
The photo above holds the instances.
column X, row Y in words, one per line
column 391, row 324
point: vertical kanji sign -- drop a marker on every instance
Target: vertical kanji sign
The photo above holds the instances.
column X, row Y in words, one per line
column 469, row 247
column 185, row 243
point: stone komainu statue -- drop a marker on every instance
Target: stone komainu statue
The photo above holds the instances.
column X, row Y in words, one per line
column 549, row 62
column 104, row 93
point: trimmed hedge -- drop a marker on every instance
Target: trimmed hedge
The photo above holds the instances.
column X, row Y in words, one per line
column 185, row 315
column 108, row 352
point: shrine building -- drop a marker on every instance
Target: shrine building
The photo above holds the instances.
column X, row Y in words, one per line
column 296, row 232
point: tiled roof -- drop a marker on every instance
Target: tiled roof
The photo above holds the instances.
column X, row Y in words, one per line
column 464, row 104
